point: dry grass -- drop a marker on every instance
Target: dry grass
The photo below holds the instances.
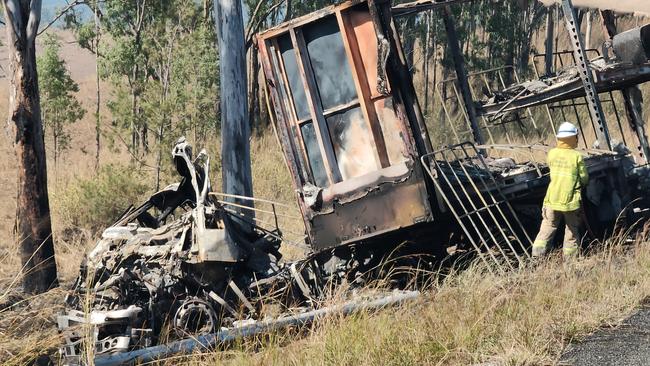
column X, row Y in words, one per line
column 524, row 318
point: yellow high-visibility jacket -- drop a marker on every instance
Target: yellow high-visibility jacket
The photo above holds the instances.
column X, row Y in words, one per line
column 568, row 176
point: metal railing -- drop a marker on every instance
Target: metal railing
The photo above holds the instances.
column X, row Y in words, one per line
column 473, row 195
column 268, row 212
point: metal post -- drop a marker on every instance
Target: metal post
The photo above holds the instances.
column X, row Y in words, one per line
column 461, row 74
column 632, row 98
column 201, row 342
column 593, row 101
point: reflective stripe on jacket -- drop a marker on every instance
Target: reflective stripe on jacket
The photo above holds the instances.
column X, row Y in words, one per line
column 568, row 176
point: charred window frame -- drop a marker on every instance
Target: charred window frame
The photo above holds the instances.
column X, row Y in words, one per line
column 321, row 123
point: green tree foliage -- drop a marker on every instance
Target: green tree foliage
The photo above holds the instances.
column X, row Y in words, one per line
column 59, row 106
column 491, row 34
column 160, row 59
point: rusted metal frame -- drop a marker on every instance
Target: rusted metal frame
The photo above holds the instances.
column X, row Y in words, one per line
column 618, row 117
column 434, row 177
column 482, row 75
column 305, row 19
column 475, row 209
column 444, row 108
column 558, row 57
column 315, row 107
column 495, row 203
column 530, row 114
column 551, row 121
column 436, row 180
column 635, row 121
column 363, row 89
column 487, row 85
column 282, row 134
column 574, row 105
column 463, row 108
column 403, row 94
column 461, row 73
column 503, row 85
column 503, row 200
column 485, row 120
column 398, row 75
column 595, row 108
column 423, row 5
column 226, row 203
column 281, row 126
column 257, row 222
column 283, row 84
column 290, row 106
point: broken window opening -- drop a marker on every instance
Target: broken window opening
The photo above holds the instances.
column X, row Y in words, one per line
column 292, row 130
column 293, row 77
column 352, row 143
column 343, row 125
column 313, row 152
column 329, row 63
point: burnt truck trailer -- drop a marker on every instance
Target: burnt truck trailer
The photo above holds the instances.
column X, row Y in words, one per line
column 359, row 150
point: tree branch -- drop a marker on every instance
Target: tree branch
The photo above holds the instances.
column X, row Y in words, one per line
column 253, row 28
column 11, row 9
column 33, row 20
column 61, row 13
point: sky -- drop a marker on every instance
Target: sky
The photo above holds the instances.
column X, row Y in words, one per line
column 50, row 7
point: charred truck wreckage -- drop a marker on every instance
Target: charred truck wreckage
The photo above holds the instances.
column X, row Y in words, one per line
column 373, row 179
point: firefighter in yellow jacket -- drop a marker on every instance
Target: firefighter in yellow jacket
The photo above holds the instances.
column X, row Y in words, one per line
column 563, row 198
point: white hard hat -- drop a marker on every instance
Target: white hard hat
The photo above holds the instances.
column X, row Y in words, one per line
column 567, row 129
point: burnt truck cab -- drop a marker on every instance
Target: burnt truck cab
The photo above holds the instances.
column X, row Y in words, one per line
column 348, row 121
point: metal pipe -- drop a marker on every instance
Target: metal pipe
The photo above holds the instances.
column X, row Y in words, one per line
column 187, row 346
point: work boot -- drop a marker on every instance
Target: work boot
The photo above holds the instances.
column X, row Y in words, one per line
column 538, row 251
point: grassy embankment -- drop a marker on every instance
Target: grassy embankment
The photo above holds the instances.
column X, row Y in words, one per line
column 470, row 317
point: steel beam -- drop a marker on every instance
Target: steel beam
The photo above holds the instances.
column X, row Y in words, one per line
column 593, row 101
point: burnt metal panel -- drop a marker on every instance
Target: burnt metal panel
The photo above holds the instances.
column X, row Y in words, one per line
column 383, row 208
column 395, row 195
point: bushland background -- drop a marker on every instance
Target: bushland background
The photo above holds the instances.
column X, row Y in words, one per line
column 154, row 66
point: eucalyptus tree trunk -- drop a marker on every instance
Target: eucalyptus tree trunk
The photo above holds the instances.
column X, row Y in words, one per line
column 33, row 227
column 548, row 45
column 235, row 128
column 98, row 117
